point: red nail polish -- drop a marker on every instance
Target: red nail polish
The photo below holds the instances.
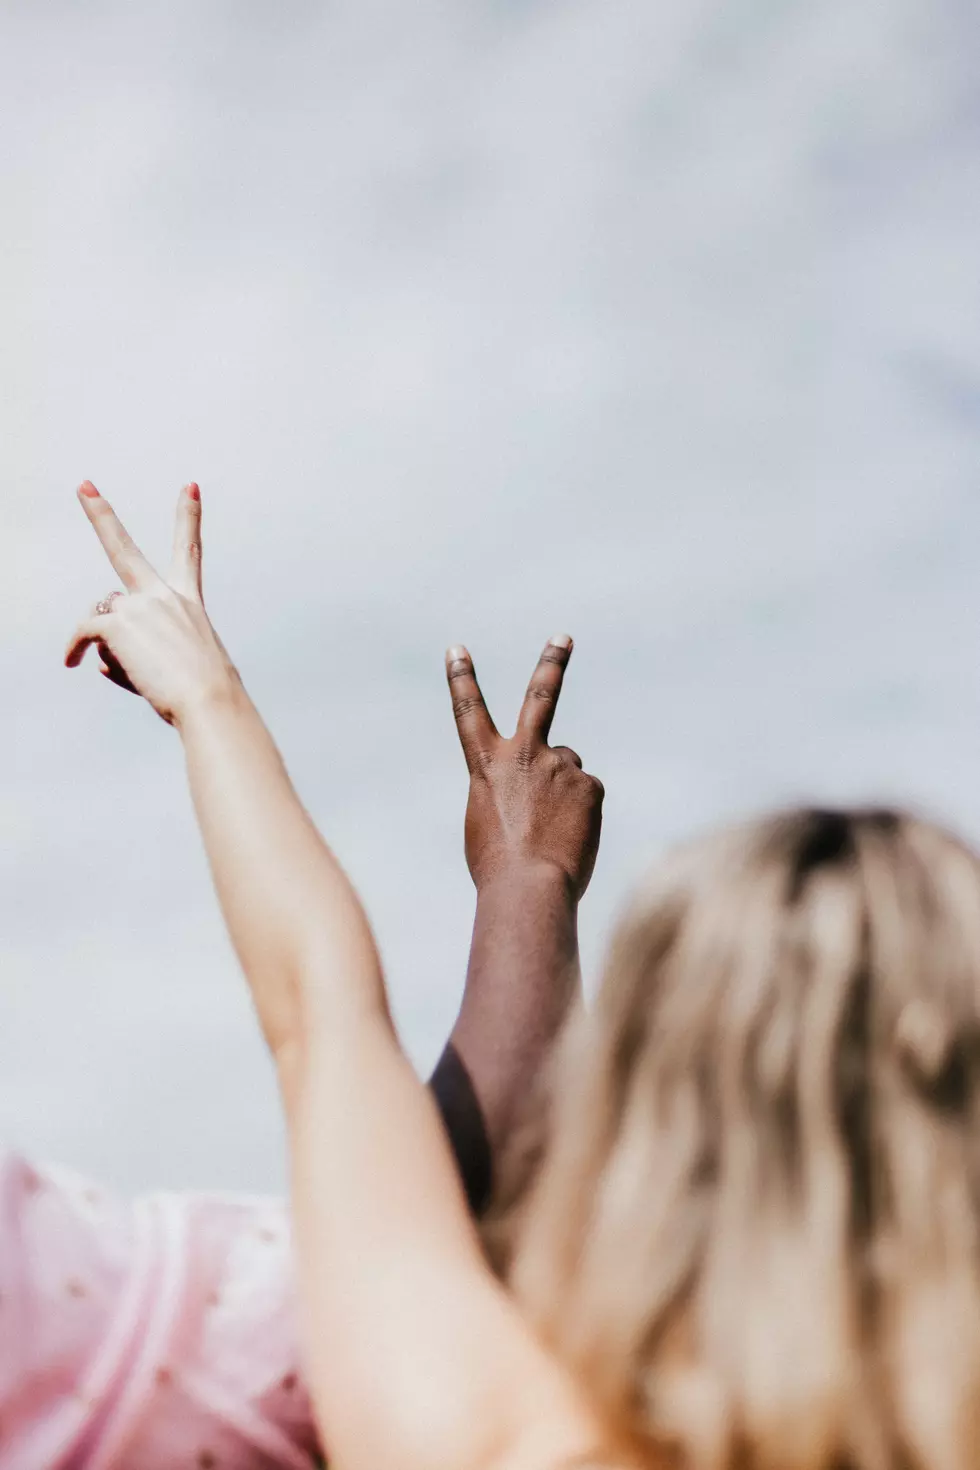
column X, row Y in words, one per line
column 194, row 491
column 87, row 489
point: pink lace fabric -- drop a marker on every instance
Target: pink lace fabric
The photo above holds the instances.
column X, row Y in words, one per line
column 146, row 1335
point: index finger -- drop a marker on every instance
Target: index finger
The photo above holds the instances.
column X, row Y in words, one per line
column 477, row 732
column 129, row 563
column 541, row 699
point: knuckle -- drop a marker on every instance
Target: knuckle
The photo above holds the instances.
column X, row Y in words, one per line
column 524, row 756
column 543, row 692
column 482, row 761
column 465, row 705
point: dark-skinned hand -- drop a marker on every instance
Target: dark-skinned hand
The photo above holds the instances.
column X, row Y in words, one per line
column 530, row 803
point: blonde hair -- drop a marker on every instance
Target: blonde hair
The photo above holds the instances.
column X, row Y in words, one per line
column 746, row 1206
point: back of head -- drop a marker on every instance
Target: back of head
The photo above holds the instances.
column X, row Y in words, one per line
column 747, row 1210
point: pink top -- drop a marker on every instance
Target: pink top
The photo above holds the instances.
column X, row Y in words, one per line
column 145, row 1336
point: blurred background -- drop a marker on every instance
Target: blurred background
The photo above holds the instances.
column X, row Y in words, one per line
column 476, row 320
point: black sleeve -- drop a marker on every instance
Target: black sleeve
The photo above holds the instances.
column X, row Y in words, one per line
column 457, row 1101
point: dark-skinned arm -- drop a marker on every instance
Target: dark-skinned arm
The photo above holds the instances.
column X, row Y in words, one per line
column 532, row 834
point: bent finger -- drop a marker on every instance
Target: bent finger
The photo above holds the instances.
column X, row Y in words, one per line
column 541, row 699
column 568, row 754
column 93, row 630
column 477, row 732
column 185, row 565
column 129, row 563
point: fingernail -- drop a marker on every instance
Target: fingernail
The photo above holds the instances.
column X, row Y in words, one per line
column 194, row 490
column 560, row 640
column 454, row 654
column 87, row 489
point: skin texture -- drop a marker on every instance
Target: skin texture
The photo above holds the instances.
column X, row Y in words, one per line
column 531, row 838
column 417, row 1355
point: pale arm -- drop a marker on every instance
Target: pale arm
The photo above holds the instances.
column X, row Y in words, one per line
column 417, row 1357
column 295, row 921
column 394, row 1284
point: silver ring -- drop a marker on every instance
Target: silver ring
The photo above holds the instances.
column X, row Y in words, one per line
column 105, row 606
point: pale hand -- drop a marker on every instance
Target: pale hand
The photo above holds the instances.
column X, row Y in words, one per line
column 157, row 639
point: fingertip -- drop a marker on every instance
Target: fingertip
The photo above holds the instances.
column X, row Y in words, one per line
column 88, row 491
column 193, row 490
column 561, row 640
column 456, row 654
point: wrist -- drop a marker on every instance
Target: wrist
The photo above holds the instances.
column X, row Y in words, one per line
column 219, row 696
column 527, row 874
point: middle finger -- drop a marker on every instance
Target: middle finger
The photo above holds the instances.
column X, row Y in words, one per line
column 541, row 699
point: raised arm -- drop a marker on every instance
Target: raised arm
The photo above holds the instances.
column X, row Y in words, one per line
column 417, row 1357
column 532, row 833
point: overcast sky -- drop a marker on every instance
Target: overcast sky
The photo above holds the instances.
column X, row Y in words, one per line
column 476, row 320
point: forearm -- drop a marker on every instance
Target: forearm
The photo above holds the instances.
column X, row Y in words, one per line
column 523, row 973
column 297, row 925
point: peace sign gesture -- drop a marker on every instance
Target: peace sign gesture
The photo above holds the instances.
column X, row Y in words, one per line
column 529, row 802
column 156, row 638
